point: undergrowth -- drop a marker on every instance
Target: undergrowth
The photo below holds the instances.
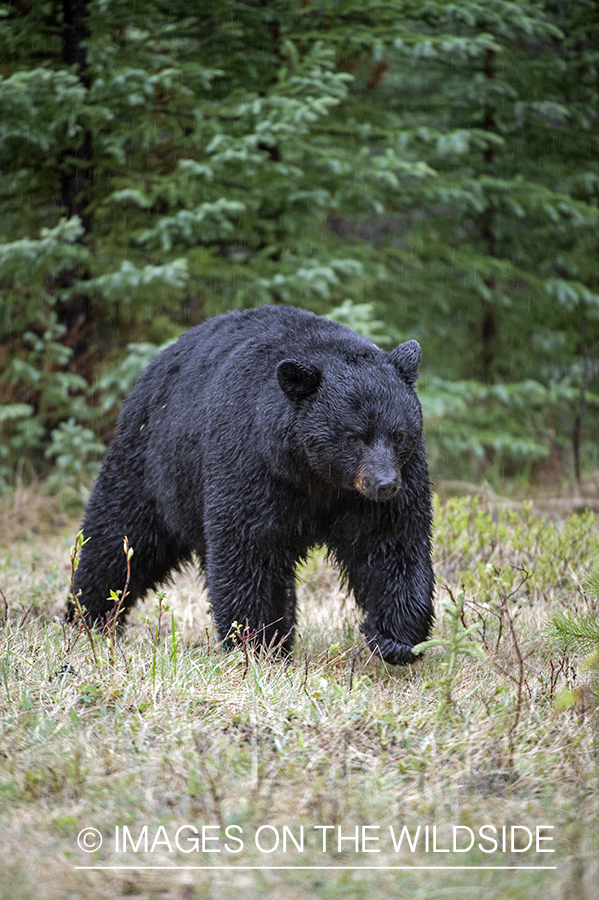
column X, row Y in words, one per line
column 155, row 726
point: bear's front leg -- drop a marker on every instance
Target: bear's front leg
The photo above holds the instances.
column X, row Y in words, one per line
column 393, row 584
column 252, row 593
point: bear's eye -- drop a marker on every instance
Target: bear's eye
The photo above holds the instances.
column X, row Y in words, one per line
column 398, row 437
column 352, row 438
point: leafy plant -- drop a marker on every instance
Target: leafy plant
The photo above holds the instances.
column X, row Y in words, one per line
column 76, row 452
column 580, row 634
column 456, row 642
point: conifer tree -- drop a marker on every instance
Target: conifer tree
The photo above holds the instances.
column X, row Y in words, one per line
column 494, row 256
column 433, row 163
column 160, row 162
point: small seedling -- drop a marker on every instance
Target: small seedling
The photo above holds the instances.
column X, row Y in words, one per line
column 459, row 642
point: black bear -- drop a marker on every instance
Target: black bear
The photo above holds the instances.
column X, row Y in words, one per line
column 254, row 437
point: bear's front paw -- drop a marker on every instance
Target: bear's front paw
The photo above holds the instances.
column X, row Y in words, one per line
column 390, row 650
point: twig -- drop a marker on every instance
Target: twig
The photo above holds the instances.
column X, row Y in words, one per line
column 79, row 542
column 112, row 619
column 357, row 651
column 5, row 602
column 520, row 680
column 305, row 681
column 25, row 615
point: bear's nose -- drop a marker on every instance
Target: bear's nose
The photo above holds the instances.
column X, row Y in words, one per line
column 377, row 486
column 378, row 476
column 387, row 487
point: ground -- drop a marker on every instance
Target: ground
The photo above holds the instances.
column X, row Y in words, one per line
column 496, row 727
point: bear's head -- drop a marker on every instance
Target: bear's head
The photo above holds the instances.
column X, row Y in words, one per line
column 356, row 417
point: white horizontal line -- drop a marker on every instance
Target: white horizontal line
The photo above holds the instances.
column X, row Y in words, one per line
column 322, row 868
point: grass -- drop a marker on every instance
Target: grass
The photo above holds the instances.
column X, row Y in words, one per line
column 497, row 726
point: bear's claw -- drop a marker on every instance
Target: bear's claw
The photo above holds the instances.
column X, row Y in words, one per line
column 391, row 651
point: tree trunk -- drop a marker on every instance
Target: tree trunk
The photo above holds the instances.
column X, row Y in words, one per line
column 488, row 322
column 76, row 171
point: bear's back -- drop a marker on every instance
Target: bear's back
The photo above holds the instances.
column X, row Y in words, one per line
column 235, row 355
column 285, row 329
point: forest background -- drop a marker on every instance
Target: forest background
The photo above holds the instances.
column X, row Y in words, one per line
column 420, row 169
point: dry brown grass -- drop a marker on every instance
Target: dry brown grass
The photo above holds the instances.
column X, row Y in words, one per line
column 174, row 732
column 27, row 511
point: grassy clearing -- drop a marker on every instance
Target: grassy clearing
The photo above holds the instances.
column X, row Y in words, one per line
column 497, row 726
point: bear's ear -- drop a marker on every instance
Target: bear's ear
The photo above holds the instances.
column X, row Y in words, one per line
column 406, row 359
column 297, row 380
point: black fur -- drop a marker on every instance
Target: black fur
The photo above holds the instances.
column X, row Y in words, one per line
column 253, row 438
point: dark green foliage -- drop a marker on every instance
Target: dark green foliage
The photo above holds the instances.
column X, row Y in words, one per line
column 511, row 220
column 433, row 163
column 580, row 634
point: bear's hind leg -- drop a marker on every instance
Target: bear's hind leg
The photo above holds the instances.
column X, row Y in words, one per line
column 103, row 568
